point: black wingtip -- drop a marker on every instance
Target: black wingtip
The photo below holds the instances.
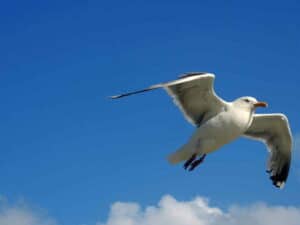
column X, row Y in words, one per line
column 136, row 92
column 114, row 96
column 280, row 177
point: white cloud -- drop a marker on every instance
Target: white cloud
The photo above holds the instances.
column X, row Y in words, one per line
column 168, row 211
column 199, row 212
column 20, row 214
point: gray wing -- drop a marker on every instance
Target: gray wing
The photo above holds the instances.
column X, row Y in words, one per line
column 195, row 96
column 274, row 131
column 193, row 93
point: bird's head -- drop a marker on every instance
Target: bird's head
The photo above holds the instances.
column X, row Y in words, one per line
column 249, row 103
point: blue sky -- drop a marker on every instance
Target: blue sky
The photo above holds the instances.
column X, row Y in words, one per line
column 67, row 149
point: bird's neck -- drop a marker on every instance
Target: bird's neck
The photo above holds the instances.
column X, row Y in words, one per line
column 242, row 115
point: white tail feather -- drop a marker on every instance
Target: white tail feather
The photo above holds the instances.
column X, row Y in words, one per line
column 180, row 155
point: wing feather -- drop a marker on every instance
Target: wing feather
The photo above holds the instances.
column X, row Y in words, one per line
column 274, row 131
column 193, row 93
column 195, row 96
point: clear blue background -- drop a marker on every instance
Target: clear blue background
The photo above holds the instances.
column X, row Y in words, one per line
column 65, row 147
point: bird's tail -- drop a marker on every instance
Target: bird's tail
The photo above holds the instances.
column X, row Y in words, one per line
column 180, row 155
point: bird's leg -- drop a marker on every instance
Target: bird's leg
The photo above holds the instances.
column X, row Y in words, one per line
column 197, row 162
column 189, row 161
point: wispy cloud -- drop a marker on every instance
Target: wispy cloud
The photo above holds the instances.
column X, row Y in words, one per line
column 20, row 214
column 296, row 155
column 199, row 212
column 297, row 147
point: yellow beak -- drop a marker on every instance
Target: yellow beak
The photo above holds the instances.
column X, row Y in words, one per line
column 261, row 104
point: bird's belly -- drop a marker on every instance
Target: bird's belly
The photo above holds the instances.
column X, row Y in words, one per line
column 217, row 132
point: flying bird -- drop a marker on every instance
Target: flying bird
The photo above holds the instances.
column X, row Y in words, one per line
column 219, row 122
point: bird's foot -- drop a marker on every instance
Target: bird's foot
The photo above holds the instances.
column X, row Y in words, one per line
column 189, row 161
column 197, row 162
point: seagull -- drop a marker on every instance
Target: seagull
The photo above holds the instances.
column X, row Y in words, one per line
column 219, row 122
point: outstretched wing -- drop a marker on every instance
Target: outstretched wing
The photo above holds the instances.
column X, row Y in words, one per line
column 193, row 93
column 195, row 96
column 274, row 131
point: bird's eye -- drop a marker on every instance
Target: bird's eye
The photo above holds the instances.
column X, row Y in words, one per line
column 247, row 100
